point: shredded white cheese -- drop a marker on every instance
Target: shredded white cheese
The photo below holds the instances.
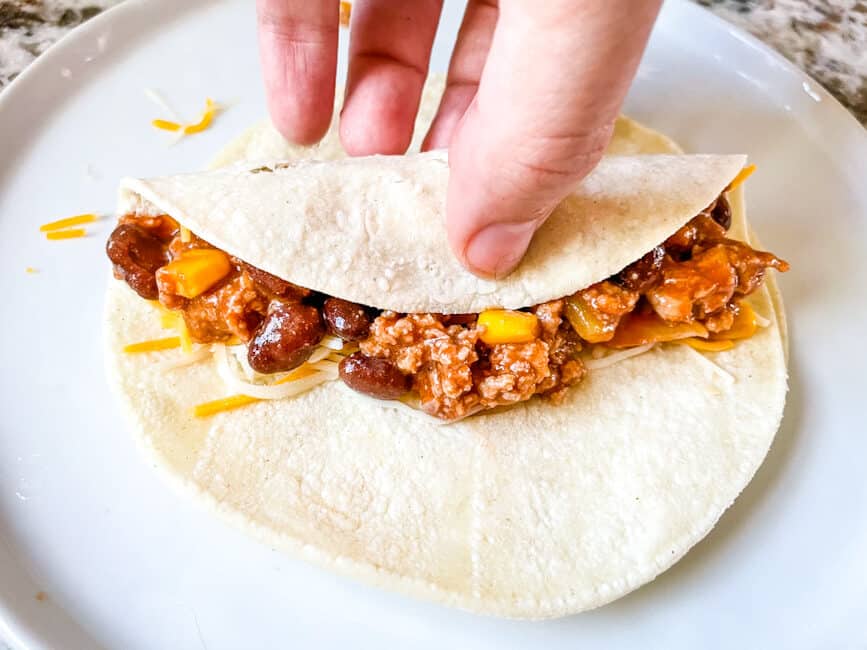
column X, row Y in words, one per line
column 200, row 354
column 723, row 374
column 617, row 357
column 158, row 99
column 761, row 321
column 319, row 354
column 232, row 372
column 332, row 342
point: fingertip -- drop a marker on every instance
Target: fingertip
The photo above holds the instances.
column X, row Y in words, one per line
column 493, row 207
column 495, row 251
column 298, row 53
column 300, row 101
column 301, row 120
column 379, row 111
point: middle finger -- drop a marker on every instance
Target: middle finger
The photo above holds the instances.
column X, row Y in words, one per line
column 389, row 53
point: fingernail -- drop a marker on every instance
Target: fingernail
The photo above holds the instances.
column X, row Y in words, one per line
column 497, row 249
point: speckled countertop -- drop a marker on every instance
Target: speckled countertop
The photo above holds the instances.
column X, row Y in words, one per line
column 827, row 38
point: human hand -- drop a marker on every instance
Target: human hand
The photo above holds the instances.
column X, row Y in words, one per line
column 532, row 93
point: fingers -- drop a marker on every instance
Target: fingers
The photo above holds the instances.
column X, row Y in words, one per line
column 465, row 70
column 298, row 50
column 552, row 86
column 389, row 52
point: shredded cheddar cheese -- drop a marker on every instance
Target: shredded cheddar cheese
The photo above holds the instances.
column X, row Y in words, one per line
column 225, row 404
column 71, row 233
column 186, row 341
column 207, row 117
column 299, row 373
column 168, row 320
column 77, row 220
column 703, row 345
column 345, row 13
column 186, row 236
column 237, row 401
column 211, row 109
column 153, row 345
column 166, row 125
column 743, row 175
column 307, row 375
column 30, row 270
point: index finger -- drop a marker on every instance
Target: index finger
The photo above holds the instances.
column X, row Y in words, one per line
column 298, row 51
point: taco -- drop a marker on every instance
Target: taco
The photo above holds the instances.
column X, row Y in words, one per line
column 604, row 404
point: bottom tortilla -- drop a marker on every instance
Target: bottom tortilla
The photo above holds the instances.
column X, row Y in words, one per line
column 536, row 511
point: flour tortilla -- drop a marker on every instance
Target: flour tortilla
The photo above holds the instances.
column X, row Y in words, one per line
column 370, row 230
column 534, row 512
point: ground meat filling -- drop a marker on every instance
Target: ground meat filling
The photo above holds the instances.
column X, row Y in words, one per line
column 437, row 356
column 697, row 276
column 455, row 374
column 233, row 310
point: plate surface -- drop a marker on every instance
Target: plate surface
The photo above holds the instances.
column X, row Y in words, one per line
column 118, row 560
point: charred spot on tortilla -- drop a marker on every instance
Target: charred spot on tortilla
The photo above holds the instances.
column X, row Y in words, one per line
column 691, row 288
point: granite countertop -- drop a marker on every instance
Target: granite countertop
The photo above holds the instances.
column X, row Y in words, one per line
column 826, row 38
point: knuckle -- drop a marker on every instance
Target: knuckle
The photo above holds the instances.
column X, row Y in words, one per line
column 287, row 26
column 548, row 161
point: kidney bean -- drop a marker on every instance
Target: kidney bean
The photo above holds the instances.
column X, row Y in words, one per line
column 722, row 212
column 286, row 338
column 348, row 320
column 378, row 378
column 643, row 274
column 136, row 255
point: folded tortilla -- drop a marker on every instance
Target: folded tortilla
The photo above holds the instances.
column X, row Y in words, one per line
column 370, row 230
column 534, row 512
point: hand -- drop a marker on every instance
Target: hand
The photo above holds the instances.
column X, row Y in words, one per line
column 532, row 94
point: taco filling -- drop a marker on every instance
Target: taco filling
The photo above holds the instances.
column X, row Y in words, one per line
column 690, row 290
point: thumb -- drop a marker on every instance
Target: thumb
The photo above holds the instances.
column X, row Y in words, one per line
column 552, row 86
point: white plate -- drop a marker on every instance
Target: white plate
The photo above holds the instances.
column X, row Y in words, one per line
column 126, row 563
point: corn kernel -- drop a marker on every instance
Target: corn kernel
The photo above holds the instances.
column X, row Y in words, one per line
column 194, row 272
column 504, row 326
